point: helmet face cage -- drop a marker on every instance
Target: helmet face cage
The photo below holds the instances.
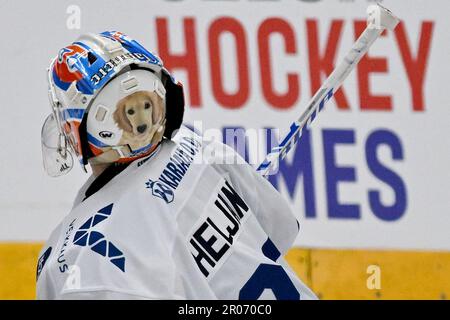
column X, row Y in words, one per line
column 57, row 159
column 56, row 145
column 75, row 78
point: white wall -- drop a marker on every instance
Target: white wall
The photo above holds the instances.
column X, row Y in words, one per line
column 31, row 203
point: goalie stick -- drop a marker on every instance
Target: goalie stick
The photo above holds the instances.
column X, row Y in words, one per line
column 379, row 19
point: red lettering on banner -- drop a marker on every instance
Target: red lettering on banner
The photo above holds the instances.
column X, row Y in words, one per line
column 187, row 61
column 266, row 29
column 366, row 66
column 324, row 63
column 322, row 58
column 416, row 67
column 217, row 28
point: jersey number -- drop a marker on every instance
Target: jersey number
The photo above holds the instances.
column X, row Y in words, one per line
column 269, row 276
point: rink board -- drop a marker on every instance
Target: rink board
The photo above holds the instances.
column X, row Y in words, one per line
column 332, row 274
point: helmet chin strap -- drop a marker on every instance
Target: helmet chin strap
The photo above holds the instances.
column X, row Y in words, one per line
column 116, row 153
column 119, row 152
column 124, row 151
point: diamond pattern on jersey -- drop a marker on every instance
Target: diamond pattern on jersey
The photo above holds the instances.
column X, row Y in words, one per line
column 85, row 236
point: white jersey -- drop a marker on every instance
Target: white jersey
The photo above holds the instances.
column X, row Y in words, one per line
column 168, row 227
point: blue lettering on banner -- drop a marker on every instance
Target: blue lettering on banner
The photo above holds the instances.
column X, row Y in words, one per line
column 302, row 167
column 235, row 138
column 299, row 169
column 335, row 174
column 398, row 208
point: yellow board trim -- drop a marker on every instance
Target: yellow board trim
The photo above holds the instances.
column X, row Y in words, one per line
column 332, row 274
column 18, row 270
column 343, row 274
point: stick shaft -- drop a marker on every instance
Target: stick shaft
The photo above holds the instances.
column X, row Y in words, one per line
column 317, row 102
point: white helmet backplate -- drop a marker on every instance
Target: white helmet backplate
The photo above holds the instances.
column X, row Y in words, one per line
column 100, row 121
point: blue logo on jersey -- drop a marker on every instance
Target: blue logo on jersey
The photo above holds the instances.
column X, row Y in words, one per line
column 160, row 190
column 85, row 236
column 42, row 260
column 174, row 171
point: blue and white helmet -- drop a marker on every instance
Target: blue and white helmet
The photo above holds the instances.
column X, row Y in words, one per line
column 91, row 76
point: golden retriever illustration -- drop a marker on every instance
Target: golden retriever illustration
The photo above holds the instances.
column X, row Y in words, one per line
column 141, row 116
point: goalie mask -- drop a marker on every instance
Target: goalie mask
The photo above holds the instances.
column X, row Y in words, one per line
column 112, row 101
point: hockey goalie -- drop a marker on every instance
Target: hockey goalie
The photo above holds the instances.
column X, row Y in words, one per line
column 165, row 213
